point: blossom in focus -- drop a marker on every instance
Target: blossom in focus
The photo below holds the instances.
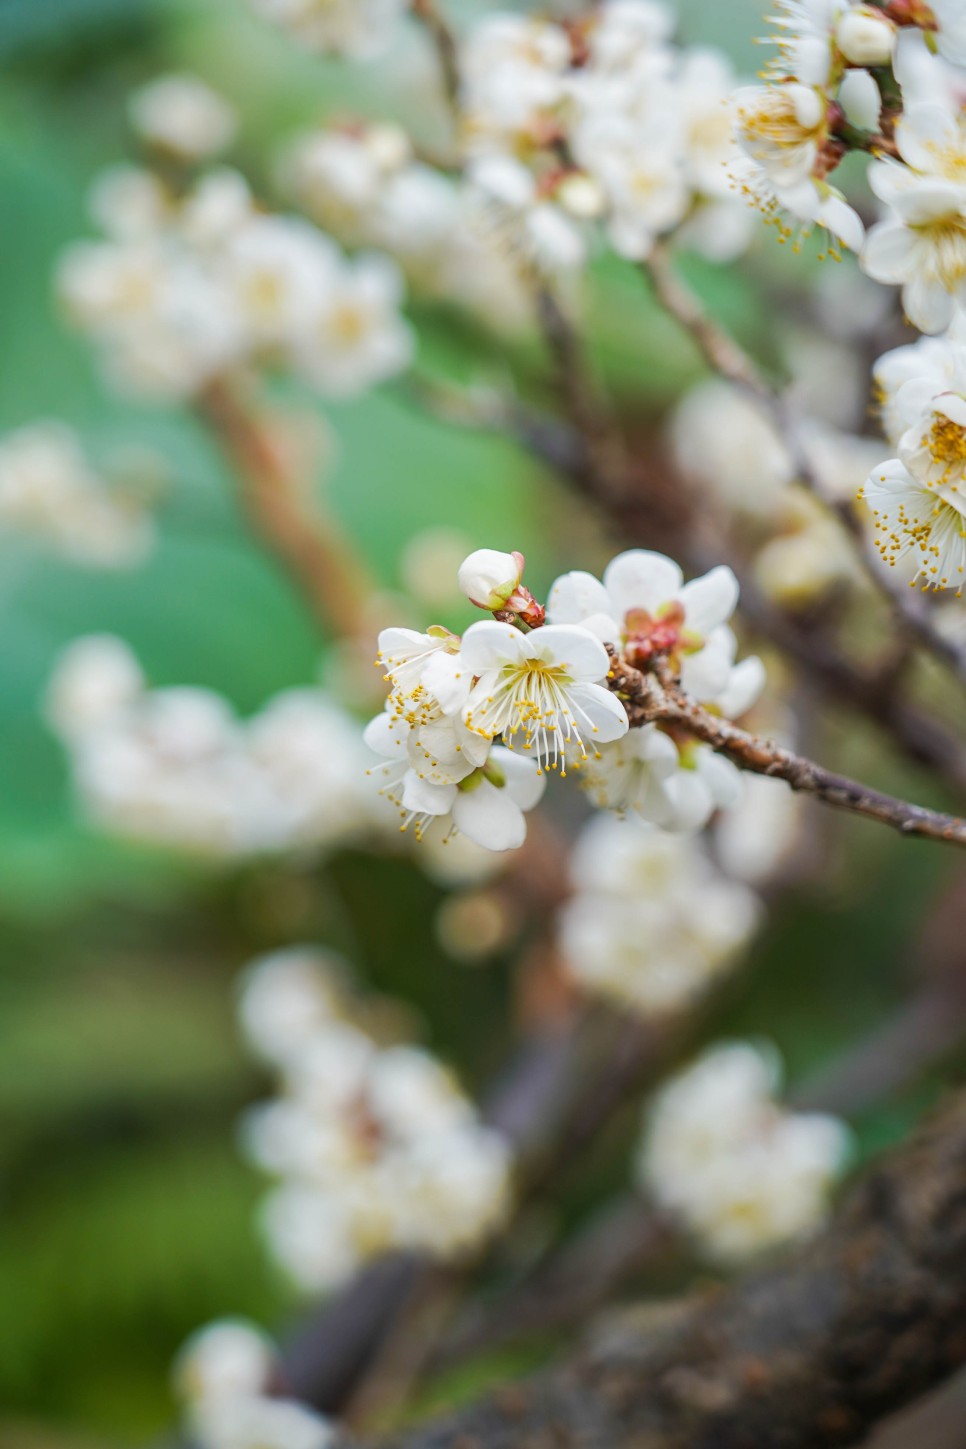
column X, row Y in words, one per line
column 918, row 499
column 541, row 692
column 644, row 606
column 631, row 931
column 921, row 244
column 739, row 1171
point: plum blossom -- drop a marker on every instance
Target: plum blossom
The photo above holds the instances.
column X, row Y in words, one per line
column 921, row 245
column 224, row 1376
column 644, row 606
column 50, row 492
column 630, row 932
column 182, row 116
column 541, row 692
column 375, row 1147
column 739, row 1171
column 359, row 29
column 489, row 578
column 918, row 499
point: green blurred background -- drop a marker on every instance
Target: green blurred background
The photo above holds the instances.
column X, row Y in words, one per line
column 126, row 1218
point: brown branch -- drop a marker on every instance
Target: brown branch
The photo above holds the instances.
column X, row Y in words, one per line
column 725, row 357
column 447, row 51
column 309, row 544
column 649, row 699
column 919, row 736
column 807, row 1354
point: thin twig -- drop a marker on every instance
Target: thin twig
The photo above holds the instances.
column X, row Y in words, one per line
column 324, row 565
column 649, row 699
column 725, row 357
column 920, row 737
column 447, row 51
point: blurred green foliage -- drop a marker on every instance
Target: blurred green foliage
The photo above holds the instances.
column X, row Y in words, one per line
column 125, row 1216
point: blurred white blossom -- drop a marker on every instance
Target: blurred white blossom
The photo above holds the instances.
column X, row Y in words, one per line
column 740, row 1172
column 50, row 492
column 376, row 1147
column 652, row 923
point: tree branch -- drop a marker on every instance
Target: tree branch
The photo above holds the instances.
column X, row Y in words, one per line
column 447, row 51
column 807, row 1354
column 725, row 357
column 310, row 546
column 649, row 699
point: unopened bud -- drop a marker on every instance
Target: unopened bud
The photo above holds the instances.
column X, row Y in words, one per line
column 865, row 36
column 581, row 196
column 489, row 579
column 860, row 100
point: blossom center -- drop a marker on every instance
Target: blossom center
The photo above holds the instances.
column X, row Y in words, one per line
column 652, row 636
column 946, row 443
column 947, row 241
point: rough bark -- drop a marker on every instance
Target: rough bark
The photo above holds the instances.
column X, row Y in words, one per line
column 810, row 1352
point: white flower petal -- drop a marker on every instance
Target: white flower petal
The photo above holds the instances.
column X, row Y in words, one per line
column 490, row 817
column 640, row 579
column 709, row 601
column 489, row 645
column 601, row 711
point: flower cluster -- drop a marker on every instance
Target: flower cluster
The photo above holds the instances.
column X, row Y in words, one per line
column 225, row 1377
column 601, row 119
column 883, row 78
column 363, row 185
column 359, row 29
column 536, row 679
column 648, row 615
column 191, row 280
column 918, row 498
column 723, row 441
column 376, row 1146
column 742, row 1173
column 631, row 931
column 175, row 766
column 921, row 242
column 49, row 491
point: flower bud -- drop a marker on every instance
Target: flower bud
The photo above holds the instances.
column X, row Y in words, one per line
column 865, row 36
column 489, row 578
column 860, row 100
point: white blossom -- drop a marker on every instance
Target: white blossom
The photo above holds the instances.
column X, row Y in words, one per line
column 376, row 1147
column 632, row 932
column 176, row 767
column 353, row 336
column 921, row 245
column 359, row 29
column 49, row 492
column 644, row 607
column 865, row 36
column 740, row 1172
column 489, row 578
column 183, row 116
column 541, row 692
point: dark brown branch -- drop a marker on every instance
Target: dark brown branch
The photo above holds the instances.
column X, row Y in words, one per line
column 807, row 1354
column 649, row 700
